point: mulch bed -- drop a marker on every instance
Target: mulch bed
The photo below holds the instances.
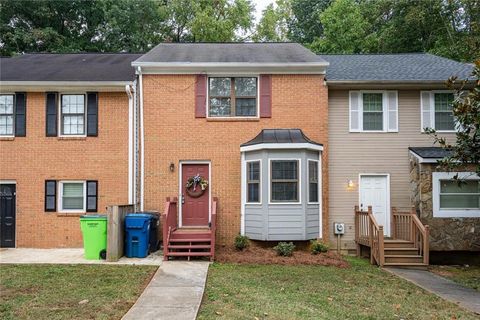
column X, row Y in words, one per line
column 262, row 255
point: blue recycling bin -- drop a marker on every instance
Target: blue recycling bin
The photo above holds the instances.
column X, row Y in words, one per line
column 137, row 234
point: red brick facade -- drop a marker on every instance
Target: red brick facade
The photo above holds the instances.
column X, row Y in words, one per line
column 35, row 158
column 173, row 134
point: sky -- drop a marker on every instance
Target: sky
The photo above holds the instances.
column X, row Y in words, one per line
column 259, row 6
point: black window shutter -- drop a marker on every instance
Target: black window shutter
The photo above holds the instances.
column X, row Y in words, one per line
column 20, row 114
column 92, row 195
column 92, row 114
column 50, row 195
column 51, row 119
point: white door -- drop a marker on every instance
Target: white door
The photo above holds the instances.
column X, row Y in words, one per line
column 374, row 192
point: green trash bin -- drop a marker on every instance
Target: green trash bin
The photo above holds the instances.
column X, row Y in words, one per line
column 94, row 231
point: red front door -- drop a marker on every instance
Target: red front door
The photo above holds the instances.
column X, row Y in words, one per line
column 195, row 209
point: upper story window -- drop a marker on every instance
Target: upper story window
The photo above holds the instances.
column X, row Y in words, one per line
column 285, row 181
column 437, row 110
column 73, row 114
column 232, row 97
column 373, row 111
column 6, row 115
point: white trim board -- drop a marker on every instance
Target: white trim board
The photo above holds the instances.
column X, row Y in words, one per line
column 273, row 146
column 181, row 163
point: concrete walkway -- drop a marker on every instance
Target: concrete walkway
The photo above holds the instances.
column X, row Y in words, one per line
column 68, row 256
column 444, row 288
column 175, row 292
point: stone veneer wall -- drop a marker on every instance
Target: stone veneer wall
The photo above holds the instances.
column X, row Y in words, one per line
column 446, row 234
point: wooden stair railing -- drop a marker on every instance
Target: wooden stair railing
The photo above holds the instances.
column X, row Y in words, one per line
column 169, row 223
column 213, row 228
column 408, row 233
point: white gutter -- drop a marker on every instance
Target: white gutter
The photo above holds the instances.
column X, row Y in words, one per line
column 229, row 64
column 65, row 83
column 128, row 90
column 142, row 145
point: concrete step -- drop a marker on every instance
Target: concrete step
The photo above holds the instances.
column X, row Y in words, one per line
column 403, row 259
column 419, row 266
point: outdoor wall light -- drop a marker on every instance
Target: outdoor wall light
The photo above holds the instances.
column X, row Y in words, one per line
column 172, row 166
column 350, row 184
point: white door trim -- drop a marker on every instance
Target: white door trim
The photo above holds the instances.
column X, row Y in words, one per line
column 182, row 162
column 386, row 227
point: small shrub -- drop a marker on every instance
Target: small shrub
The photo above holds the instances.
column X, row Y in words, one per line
column 318, row 246
column 241, row 242
column 284, row 249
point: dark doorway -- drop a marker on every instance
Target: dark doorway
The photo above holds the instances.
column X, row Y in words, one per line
column 7, row 215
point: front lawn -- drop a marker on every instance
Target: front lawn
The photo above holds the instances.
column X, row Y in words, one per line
column 70, row 291
column 361, row 291
column 466, row 276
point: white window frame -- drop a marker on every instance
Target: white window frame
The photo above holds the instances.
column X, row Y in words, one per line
column 233, row 76
column 60, row 118
column 60, row 196
column 308, row 181
column 260, row 182
column 432, row 113
column 13, row 114
column 299, row 186
column 451, row 213
column 385, row 112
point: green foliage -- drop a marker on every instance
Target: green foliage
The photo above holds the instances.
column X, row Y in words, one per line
column 465, row 151
column 241, row 242
column 317, row 247
column 284, row 249
column 272, row 25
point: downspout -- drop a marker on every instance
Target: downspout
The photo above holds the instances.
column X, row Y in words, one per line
column 142, row 139
column 128, row 90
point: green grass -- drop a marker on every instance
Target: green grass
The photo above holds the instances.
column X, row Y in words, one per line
column 314, row 292
column 54, row 291
column 466, row 276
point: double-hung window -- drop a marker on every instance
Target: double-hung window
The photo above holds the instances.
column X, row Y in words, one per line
column 232, row 97
column 73, row 114
column 6, row 115
column 312, row 181
column 452, row 198
column 253, row 182
column 284, row 180
column 72, row 196
column 437, row 110
column 373, row 111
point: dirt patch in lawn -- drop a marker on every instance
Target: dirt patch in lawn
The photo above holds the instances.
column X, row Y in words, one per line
column 263, row 255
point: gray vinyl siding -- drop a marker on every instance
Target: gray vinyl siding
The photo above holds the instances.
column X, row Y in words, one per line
column 353, row 153
column 282, row 222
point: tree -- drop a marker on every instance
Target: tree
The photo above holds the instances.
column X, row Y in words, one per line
column 273, row 23
column 304, row 22
column 345, row 30
column 466, row 110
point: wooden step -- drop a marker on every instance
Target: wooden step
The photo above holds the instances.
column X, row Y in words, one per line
column 401, row 251
column 189, row 254
column 403, row 259
column 204, row 236
column 190, row 240
column 398, row 244
column 193, row 246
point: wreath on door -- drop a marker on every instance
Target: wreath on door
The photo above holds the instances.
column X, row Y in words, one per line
column 196, row 186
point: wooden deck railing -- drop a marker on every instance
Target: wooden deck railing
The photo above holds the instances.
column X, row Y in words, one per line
column 169, row 222
column 370, row 234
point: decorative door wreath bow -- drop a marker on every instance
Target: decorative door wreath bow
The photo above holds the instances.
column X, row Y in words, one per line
column 196, row 186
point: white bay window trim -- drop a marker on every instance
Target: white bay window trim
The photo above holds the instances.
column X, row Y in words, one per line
column 60, row 196
column 439, row 212
column 389, row 110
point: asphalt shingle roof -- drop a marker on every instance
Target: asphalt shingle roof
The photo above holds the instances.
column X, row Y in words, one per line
column 430, row 152
column 393, row 67
column 269, row 52
column 69, row 67
column 280, row 136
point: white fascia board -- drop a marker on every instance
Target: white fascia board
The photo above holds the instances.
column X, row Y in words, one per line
column 42, row 86
column 273, row 146
column 231, row 68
